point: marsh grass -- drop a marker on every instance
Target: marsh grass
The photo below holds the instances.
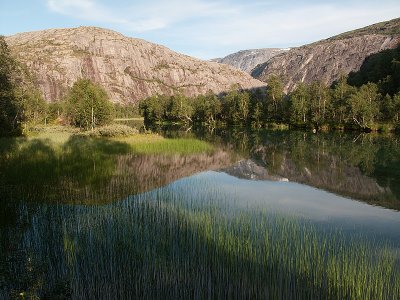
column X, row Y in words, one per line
column 174, row 245
column 158, row 145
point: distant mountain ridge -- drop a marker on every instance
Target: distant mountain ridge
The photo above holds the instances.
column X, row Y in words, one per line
column 328, row 59
column 247, row 60
column 129, row 69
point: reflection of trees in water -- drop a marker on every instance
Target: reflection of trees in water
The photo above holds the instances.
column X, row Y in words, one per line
column 87, row 170
column 40, row 170
column 91, row 171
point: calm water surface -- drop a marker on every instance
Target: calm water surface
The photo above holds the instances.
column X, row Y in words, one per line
column 265, row 215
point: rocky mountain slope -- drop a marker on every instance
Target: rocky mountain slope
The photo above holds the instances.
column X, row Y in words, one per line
column 326, row 60
column 129, row 69
column 247, row 60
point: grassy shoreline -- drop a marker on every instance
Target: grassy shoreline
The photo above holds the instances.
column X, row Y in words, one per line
column 139, row 143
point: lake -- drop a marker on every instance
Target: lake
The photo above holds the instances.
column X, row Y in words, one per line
column 253, row 214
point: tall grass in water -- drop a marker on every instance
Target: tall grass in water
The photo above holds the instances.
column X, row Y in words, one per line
column 199, row 244
column 167, row 146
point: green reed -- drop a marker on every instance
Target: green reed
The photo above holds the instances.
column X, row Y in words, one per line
column 170, row 146
column 201, row 245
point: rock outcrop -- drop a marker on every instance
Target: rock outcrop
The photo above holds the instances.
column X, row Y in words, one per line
column 327, row 60
column 129, row 69
column 247, row 60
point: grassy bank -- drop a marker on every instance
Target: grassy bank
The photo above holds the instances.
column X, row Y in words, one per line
column 140, row 143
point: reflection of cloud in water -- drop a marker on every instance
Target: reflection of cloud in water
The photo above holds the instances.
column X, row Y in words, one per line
column 299, row 200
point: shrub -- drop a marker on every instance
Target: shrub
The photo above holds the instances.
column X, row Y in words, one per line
column 114, row 130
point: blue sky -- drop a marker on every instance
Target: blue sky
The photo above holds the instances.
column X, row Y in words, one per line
column 202, row 28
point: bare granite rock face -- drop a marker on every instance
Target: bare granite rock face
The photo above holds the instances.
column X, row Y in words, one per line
column 129, row 69
column 327, row 60
column 247, row 60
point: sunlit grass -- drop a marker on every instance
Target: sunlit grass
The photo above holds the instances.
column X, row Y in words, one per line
column 138, row 143
column 156, row 144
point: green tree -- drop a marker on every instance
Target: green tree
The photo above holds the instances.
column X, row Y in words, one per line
column 10, row 116
column 274, row 97
column 154, row 109
column 88, row 105
column 206, row 108
column 341, row 93
column 364, row 105
column 256, row 114
column 129, row 110
column 235, row 106
column 299, row 104
column 55, row 111
column 34, row 108
column 396, row 108
column 180, row 109
column 391, row 108
column 319, row 102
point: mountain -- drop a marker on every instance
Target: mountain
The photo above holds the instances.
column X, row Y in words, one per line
column 326, row 60
column 247, row 60
column 129, row 69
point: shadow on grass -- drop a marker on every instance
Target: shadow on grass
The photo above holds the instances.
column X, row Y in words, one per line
column 34, row 169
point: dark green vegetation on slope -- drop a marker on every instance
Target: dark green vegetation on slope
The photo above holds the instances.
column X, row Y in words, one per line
column 383, row 69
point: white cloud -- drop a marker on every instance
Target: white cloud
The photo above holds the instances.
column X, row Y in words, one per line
column 141, row 17
column 89, row 10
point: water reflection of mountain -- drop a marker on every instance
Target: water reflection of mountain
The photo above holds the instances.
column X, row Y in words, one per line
column 249, row 169
column 143, row 173
column 349, row 182
column 365, row 167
